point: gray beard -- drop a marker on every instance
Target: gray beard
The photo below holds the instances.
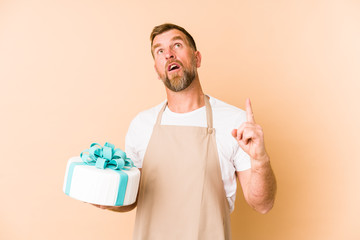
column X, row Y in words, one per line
column 179, row 83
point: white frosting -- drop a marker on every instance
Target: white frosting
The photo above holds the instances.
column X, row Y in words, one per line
column 100, row 186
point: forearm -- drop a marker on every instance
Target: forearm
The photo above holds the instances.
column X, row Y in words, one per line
column 262, row 186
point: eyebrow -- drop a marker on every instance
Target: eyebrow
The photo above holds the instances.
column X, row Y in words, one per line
column 173, row 39
column 177, row 38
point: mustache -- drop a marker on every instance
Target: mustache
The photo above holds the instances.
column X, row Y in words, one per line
column 173, row 61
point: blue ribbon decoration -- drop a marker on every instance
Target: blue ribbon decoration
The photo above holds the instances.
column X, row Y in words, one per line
column 105, row 157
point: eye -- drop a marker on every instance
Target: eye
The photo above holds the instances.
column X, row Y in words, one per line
column 160, row 51
column 177, row 45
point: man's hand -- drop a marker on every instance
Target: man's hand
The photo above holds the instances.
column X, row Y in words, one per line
column 117, row 208
column 258, row 184
column 250, row 136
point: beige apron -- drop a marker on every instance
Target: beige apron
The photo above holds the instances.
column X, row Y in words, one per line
column 181, row 193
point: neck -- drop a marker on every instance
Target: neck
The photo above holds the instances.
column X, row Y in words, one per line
column 186, row 100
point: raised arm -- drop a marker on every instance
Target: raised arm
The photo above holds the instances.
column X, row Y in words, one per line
column 258, row 183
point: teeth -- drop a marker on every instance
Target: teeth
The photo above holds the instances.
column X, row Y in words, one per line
column 172, row 67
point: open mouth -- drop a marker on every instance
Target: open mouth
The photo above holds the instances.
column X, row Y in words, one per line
column 173, row 66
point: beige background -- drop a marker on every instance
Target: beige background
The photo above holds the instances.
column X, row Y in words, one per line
column 77, row 72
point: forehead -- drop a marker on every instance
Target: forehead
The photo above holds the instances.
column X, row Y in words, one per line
column 168, row 36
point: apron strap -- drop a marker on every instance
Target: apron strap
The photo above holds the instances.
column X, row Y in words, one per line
column 209, row 117
column 158, row 120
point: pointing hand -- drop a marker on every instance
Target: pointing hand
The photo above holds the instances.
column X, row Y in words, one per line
column 250, row 136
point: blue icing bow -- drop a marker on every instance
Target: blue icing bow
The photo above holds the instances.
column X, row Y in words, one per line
column 106, row 157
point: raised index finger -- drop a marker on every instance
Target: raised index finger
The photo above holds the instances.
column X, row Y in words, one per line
column 249, row 112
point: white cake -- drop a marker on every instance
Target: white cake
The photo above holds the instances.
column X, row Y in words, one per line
column 100, row 186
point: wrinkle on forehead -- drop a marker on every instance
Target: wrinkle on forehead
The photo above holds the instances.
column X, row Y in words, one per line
column 177, row 37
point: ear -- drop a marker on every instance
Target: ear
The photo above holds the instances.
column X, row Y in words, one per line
column 198, row 59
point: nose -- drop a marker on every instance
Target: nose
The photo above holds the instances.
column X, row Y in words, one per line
column 170, row 54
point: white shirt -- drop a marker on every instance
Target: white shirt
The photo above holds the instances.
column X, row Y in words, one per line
column 225, row 118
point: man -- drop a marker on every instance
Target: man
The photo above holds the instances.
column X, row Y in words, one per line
column 190, row 150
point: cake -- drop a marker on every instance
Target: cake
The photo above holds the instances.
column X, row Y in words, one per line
column 108, row 186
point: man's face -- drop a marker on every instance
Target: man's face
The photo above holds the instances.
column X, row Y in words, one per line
column 176, row 62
